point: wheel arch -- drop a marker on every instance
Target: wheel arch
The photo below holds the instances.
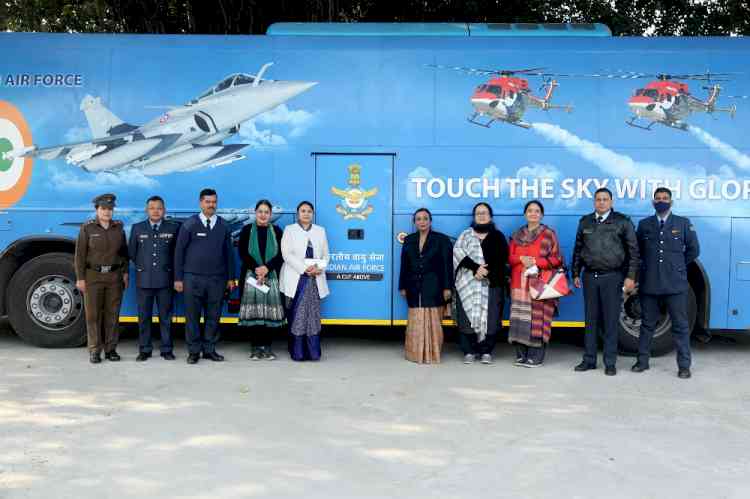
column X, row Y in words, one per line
column 23, row 250
column 701, row 284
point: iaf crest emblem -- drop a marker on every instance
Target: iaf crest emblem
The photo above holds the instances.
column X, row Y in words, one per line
column 354, row 200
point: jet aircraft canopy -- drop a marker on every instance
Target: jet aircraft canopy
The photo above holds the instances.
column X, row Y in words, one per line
column 230, row 81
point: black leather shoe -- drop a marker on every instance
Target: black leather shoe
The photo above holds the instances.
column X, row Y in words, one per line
column 213, row 356
column 193, row 358
column 95, row 358
column 143, row 356
column 639, row 368
column 112, row 356
column 683, row 373
column 610, row 370
column 168, row 356
column 583, row 367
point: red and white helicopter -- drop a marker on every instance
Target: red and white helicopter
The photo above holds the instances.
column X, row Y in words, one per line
column 669, row 102
column 505, row 97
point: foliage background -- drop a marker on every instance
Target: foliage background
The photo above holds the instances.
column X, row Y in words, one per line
column 624, row 17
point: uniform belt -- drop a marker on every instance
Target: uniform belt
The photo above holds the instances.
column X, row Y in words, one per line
column 104, row 269
column 604, row 272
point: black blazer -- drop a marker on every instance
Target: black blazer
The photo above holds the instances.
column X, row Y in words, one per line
column 248, row 262
column 425, row 275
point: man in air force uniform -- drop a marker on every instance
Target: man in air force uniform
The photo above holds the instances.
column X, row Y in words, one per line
column 151, row 248
column 668, row 244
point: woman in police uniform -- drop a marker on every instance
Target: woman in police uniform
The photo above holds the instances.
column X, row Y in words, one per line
column 101, row 264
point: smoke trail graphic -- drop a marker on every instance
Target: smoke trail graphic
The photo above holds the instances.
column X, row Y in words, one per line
column 618, row 165
column 721, row 148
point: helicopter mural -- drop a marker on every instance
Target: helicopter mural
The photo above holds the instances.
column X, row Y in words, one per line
column 669, row 102
column 506, row 96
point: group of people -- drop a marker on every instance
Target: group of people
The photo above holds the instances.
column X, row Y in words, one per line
column 282, row 278
column 610, row 258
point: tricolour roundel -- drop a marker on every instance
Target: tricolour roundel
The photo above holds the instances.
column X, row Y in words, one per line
column 15, row 173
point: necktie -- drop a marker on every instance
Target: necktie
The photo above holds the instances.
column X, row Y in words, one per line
column 599, row 219
column 208, row 224
column 153, row 227
column 661, row 224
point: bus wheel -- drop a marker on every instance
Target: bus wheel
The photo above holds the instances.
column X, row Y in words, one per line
column 44, row 306
column 630, row 326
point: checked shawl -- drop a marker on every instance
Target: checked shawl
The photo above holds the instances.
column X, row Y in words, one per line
column 474, row 293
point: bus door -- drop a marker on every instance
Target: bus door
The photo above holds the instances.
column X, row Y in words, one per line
column 354, row 203
column 739, row 287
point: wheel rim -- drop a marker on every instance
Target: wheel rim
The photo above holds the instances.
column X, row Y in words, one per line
column 54, row 303
column 630, row 318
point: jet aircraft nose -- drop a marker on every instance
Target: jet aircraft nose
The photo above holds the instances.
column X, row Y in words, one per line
column 288, row 89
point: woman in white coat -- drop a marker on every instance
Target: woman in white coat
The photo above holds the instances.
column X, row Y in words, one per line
column 304, row 247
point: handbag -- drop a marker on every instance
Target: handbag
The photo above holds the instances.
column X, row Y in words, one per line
column 549, row 285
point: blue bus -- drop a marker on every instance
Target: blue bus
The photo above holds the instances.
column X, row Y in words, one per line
column 370, row 122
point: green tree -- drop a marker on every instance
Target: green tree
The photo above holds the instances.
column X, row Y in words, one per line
column 624, row 17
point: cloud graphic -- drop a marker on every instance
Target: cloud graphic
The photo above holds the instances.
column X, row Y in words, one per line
column 491, row 172
column 68, row 179
column 411, row 188
column 298, row 120
column 257, row 133
column 723, row 149
column 260, row 139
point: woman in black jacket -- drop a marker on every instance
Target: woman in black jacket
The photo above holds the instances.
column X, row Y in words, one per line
column 425, row 281
column 261, row 306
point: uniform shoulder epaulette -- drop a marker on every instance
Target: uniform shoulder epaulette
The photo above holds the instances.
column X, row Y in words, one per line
column 90, row 221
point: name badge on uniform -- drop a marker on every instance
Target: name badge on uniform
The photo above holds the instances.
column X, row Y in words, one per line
column 165, row 236
column 588, row 231
column 142, row 236
column 201, row 234
column 675, row 232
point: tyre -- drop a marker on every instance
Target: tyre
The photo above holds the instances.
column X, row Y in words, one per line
column 630, row 326
column 44, row 306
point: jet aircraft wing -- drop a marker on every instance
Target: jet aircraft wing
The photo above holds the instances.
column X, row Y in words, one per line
column 54, row 152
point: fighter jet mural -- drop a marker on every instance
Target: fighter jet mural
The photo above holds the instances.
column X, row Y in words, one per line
column 184, row 138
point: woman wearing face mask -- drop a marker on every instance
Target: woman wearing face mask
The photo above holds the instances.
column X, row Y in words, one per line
column 304, row 247
column 425, row 280
column 260, row 252
column 479, row 256
column 533, row 247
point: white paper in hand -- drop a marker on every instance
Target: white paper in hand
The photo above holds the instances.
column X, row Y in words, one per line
column 531, row 271
column 260, row 287
column 318, row 262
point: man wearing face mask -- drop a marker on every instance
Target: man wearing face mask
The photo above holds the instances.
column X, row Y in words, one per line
column 668, row 244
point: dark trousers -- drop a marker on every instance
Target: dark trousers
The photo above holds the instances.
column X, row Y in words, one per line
column 677, row 308
column 603, row 301
column 525, row 352
column 146, row 298
column 469, row 343
column 261, row 336
column 204, row 294
column 468, row 338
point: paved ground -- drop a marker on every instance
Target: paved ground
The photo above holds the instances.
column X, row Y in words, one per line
column 365, row 423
